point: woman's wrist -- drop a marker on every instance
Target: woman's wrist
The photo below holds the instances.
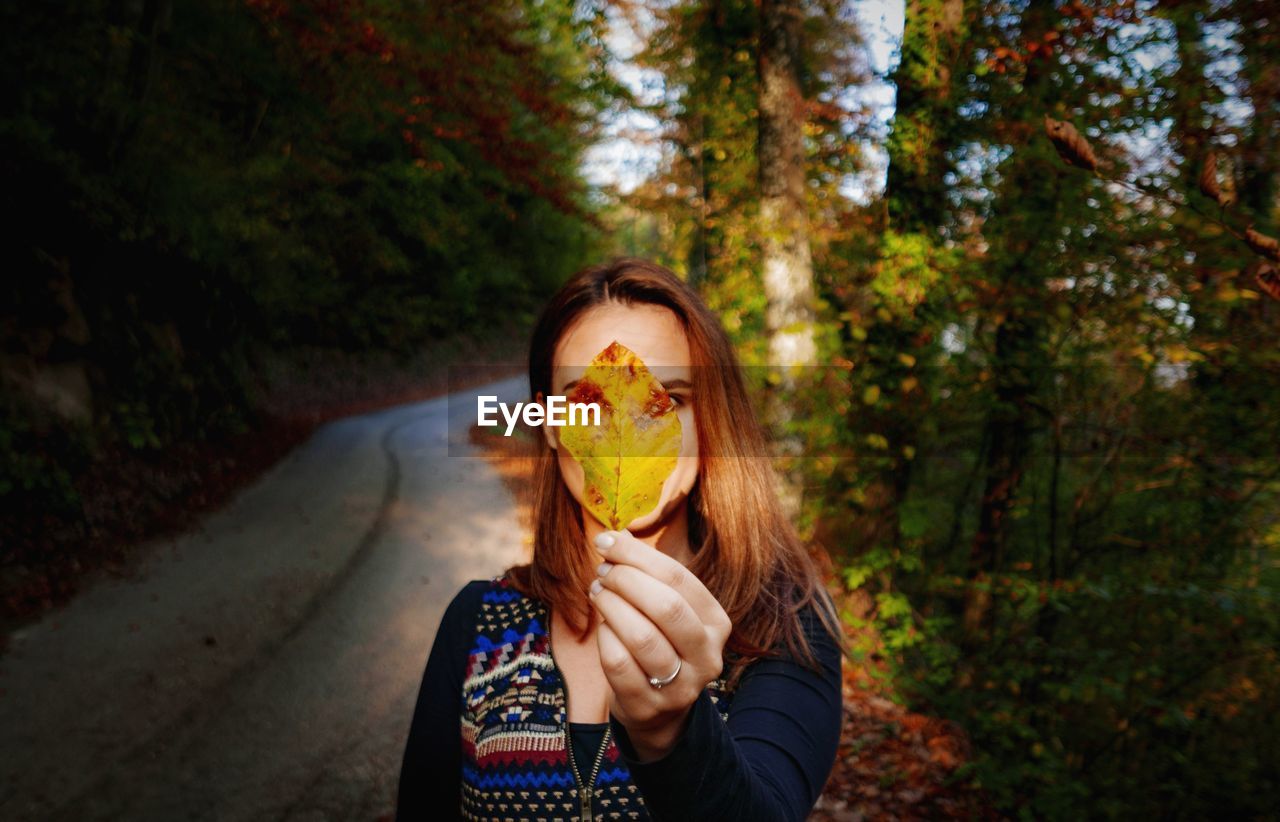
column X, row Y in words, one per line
column 654, row 742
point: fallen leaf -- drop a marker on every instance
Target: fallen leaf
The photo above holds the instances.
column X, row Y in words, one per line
column 627, row 457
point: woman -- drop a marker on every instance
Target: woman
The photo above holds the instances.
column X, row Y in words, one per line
column 699, row 647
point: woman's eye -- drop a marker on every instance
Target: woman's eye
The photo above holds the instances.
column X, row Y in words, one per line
column 677, row 399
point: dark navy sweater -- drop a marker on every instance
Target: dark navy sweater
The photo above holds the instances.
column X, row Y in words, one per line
column 770, row 761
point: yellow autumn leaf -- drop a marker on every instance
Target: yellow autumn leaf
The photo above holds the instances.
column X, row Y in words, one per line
column 629, row 455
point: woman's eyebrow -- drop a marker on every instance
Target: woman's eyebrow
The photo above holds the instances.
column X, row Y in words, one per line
column 668, row 385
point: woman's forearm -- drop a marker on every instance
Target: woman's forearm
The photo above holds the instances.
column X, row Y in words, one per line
column 768, row 762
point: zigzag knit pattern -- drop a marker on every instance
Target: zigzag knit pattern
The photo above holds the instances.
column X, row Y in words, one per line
column 515, row 735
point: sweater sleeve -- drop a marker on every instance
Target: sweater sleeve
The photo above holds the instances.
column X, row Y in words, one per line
column 431, row 770
column 771, row 759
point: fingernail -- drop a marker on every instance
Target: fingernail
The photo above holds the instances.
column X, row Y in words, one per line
column 596, row 587
column 605, row 541
column 605, row 567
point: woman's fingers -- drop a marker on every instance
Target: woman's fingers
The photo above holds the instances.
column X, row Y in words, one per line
column 623, row 671
column 663, row 605
column 621, row 548
column 658, row 621
column 640, row 637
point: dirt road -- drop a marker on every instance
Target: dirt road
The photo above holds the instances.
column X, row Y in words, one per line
column 265, row 666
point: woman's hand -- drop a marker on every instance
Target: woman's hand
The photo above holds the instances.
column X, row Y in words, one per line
column 658, row 618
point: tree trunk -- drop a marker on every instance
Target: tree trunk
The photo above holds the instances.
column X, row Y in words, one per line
column 923, row 132
column 924, row 114
column 1009, row 438
column 1023, row 221
column 142, row 70
column 1260, row 160
column 786, row 260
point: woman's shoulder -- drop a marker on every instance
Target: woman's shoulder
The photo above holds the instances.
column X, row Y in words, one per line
column 472, row 597
column 821, row 627
column 819, row 617
column 469, row 596
column 473, row 591
column 818, row 621
column 466, row 602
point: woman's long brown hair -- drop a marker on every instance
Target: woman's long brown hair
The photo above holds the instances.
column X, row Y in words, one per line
column 745, row 549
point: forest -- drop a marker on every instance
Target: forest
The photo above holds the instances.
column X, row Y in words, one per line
column 1033, row 299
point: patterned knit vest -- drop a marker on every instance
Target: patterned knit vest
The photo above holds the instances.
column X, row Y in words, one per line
column 515, row 733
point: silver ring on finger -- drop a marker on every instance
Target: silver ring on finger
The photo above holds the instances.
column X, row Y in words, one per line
column 658, row 684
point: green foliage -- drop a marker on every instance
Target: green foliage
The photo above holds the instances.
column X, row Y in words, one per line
column 190, row 183
column 909, row 271
column 1043, row 454
column 36, row 468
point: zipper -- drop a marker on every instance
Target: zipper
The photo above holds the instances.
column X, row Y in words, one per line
column 595, row 771
column 584, row 804
column 587, row 794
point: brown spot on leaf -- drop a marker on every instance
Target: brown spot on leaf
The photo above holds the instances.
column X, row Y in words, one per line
column 589, row 391
column 610, row 355
column 659, row 403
